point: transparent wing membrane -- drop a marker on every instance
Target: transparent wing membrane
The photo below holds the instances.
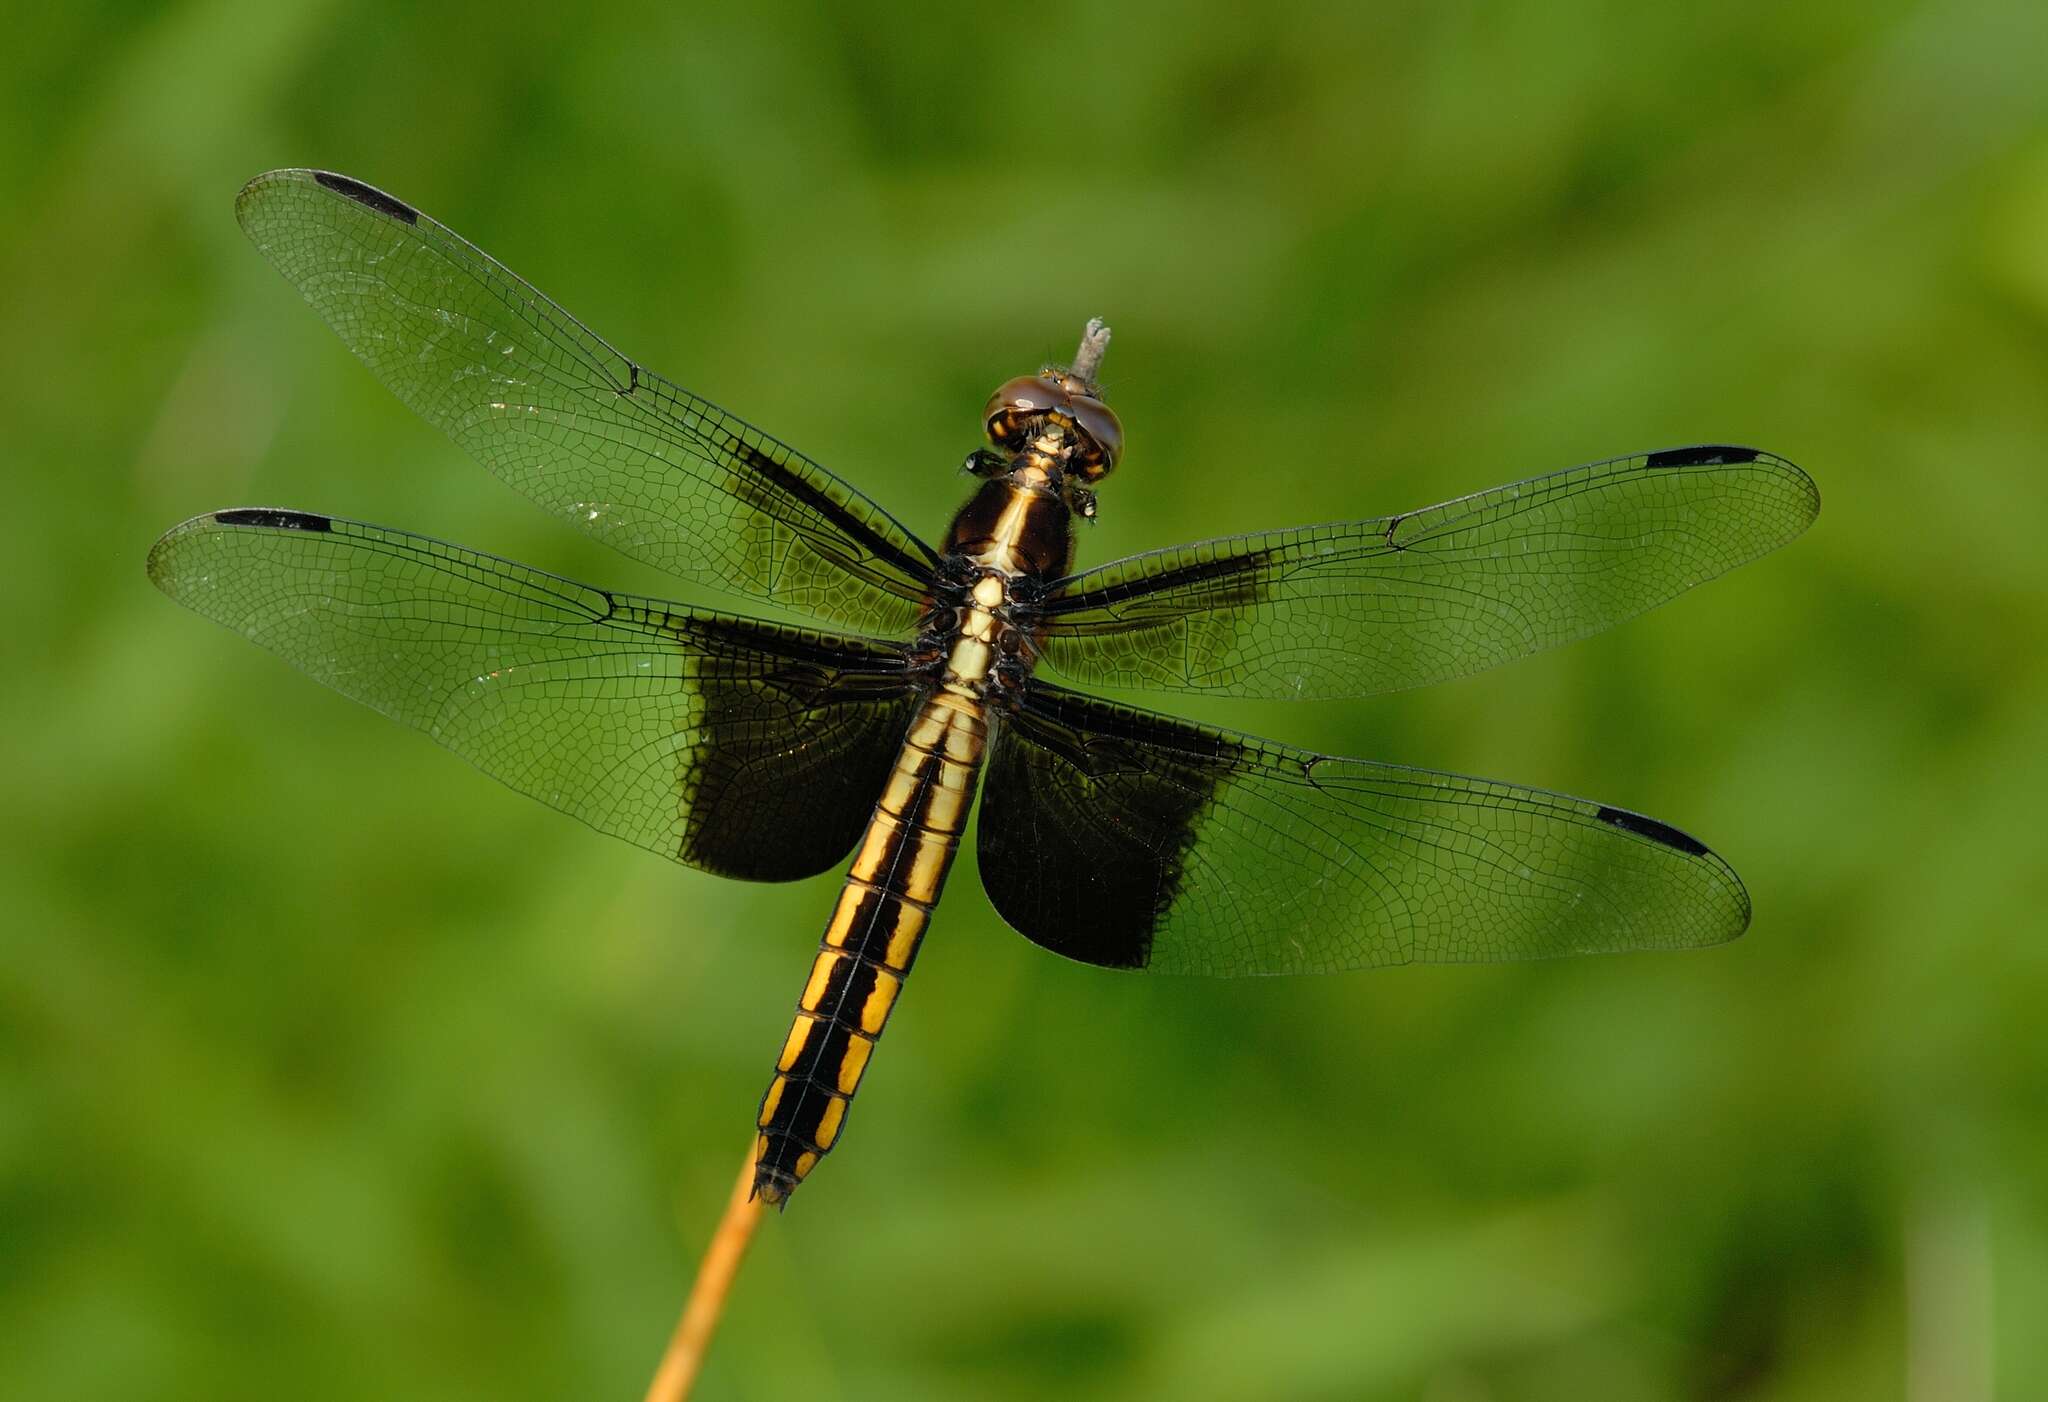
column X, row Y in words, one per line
column 743, row 748
column 1134, row 840
column 593, row 437
column 1361, row 607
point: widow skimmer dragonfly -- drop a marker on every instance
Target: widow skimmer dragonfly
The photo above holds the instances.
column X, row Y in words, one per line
column 754, row 749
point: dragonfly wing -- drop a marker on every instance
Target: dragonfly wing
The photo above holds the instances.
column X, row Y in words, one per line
column 739, row 747
column 1361, row 607
column 1134, row 840
column 589, row 434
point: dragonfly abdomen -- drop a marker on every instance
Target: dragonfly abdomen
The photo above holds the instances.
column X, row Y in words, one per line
column 871, row 941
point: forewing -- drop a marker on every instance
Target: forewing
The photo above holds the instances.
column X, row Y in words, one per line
column 1133, row 840
column 731, row 745
column 1361, row 607
column 592, row 436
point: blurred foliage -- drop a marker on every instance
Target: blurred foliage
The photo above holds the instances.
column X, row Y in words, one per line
column 328, row 1069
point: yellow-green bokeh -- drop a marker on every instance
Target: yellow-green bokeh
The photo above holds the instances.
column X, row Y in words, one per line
column 329, row 1069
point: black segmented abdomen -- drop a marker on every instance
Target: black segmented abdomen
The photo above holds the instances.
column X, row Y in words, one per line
column 871, row 942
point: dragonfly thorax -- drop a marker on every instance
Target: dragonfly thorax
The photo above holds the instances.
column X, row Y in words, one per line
column 1018, row 523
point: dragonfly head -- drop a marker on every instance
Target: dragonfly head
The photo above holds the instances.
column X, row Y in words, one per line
column 1030, row 406
column 1065, row 403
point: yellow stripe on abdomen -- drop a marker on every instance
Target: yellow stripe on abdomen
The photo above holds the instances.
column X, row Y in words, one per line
column 871, row 940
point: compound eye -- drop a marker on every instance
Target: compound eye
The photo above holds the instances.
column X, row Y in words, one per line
column 1018, row 402
column 1104, row 432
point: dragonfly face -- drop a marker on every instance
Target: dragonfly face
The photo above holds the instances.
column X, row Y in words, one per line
column 1054, row 399
column 1122, row 837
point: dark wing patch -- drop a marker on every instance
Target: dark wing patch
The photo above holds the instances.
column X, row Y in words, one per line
column 800, row 734
column 775, row 480
column 368, row 196
column 275, row 518
column 594, row 438
column 1086, row 823
column 1369, row 606
column 1702, row 455
column 739, row 747
column 1654, row 830
column 1219, row 579
column 1135, row 840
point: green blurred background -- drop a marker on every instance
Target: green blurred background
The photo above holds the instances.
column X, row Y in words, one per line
column 330, row 1069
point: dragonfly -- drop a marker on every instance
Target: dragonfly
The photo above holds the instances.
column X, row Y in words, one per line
column 767, row 751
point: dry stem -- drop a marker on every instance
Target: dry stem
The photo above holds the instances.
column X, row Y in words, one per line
column 687, row 1346
column 1088, row 358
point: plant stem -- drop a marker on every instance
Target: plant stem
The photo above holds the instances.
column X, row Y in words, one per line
column 1088, row 358
column 692, row 1338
